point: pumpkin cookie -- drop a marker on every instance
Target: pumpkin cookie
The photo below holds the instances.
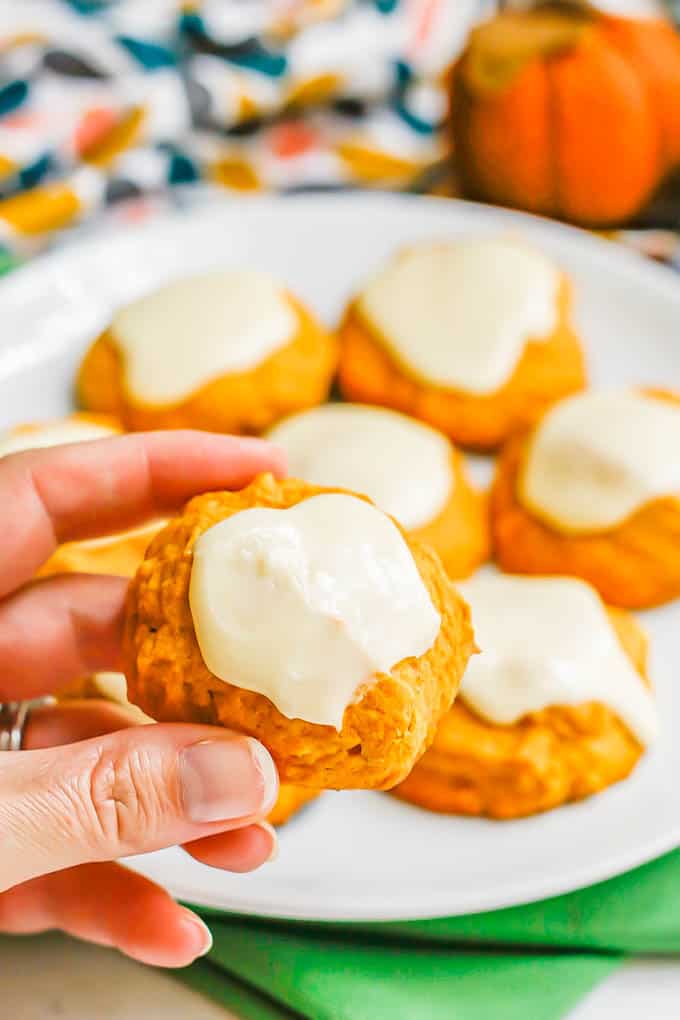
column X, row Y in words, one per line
column 407, row 469
column 226, row 352
column 111, row 554
column 118, row 554
column 555, row 708
column 473, row 337
column 594, row 491
column 303, row 617
column 289, row 801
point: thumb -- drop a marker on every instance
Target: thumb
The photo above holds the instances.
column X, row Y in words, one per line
column 129, row 792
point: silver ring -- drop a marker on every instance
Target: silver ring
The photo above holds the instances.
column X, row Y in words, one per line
column 13, row 718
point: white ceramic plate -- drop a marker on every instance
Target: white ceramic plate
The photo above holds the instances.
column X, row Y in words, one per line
column 364, row 856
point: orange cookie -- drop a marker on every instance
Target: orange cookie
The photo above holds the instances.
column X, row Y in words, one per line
column 593, row 491
column 557, row 752
column 118, row 554
column 474, row 338
column 290, row 800
column 313, row 596
column 225, row 352
column 408, row 469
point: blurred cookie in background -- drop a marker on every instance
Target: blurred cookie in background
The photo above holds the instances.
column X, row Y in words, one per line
column 594, row 491
column 227, row 351
column 473, row 337
column 408, row 469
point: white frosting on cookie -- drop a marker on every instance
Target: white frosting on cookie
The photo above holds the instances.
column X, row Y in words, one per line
column 179, row 338
column 403, row 466
column 548, row 641
column 598, row 457
column 459, row 315
column 305, row 605
column 53, row 433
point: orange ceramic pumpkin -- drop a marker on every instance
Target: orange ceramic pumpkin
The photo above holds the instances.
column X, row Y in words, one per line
column 568, row 112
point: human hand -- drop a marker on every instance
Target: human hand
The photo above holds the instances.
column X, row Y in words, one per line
column 91, row 786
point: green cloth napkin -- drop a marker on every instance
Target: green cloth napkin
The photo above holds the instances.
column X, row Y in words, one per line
column 325, row 978
column 450, row 968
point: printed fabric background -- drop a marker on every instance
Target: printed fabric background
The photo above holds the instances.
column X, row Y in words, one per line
column 103, row 100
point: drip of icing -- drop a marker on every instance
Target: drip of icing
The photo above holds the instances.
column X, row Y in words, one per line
column 113, row 686
column 403, row 466
column 190, row 332
column 598, row 457
column 51, row 434
column 307, row 604
column 639, row 9
column 459, row 315
column 549, row 641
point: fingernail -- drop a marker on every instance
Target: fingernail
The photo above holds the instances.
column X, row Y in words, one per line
column 200, row 931
column 274, row 852
column 226, row 779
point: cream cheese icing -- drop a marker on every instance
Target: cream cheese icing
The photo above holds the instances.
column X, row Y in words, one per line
column 113, row 687
column 402, row 465
column 548, row 641
column 305, row 605
column 598, row 457
column 459, row 315
column 192, row 331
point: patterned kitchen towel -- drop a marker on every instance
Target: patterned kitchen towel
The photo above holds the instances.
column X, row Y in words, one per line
column 107, row 100
column 103, row 100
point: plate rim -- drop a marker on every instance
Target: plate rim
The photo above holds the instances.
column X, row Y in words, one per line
column 102, row 234
column 245, row 906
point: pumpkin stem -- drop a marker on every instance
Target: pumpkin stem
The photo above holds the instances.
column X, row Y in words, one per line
column 498, row 49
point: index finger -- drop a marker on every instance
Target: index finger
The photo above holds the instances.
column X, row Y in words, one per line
column 94, row 488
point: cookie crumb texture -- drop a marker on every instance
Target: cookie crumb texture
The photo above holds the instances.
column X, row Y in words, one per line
column 385, row 730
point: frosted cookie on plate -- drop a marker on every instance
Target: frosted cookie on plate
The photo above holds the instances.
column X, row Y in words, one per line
column 113, row 687
column 594, row 491
column 110, row 554
column 554, row 708
column 226, row 351
column 303, row 617
column 408, row 469
column 472, row 336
